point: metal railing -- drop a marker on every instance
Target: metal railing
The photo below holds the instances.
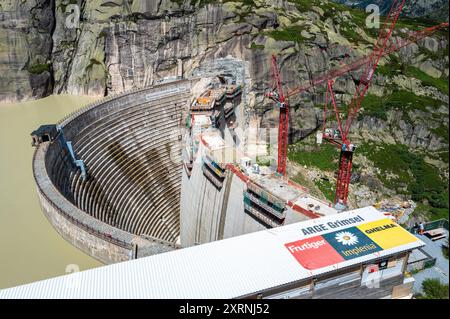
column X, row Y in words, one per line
column 73, row 220
column 266, row 220
column 440, row 223
column 427, row 262
column 85, row 109
column 211, row 177
column 278, row 212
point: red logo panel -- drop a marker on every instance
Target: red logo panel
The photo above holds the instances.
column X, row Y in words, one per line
column 313, row 253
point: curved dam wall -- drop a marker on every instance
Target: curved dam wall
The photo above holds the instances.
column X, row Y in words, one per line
column 215, row 209
column 209, row 214
column 129, row 206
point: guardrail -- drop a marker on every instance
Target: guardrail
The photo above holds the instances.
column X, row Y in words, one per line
column 90, row 230
column 102, row 100
column 427, row 262
column 73, row 115
column 440, row 223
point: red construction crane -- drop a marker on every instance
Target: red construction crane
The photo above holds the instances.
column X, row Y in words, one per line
column 391, row 47
column 382, row 48
column 283, row 133
column 347, row 148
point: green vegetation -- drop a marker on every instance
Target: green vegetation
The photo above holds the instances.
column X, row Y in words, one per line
column 250, row 3
column 64, row 5
column 39, row 68
column 327, row 188
column 67, row 44
column 325, row 158
column 396, row 67
column 391, row 68
column 256, row 46
column 373, row 106
column 416, row 23
column 292, row 33
column 433, row 289
column 92, row 63
column 350, row 34
column 245, row 8
column 262, row 161
column 402, row 100
column 440, row 54
column 443, row 156
column 430, row 213
column 441, row 131
column 441, row 84
column 303, row 5
column 413, row 176
column 407, row 100
column 438, row 213
column 333, row 11
column 134, row 17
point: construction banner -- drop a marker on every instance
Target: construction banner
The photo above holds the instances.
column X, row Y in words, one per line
column 386, row 233
column 314, row 252
column 353, row 242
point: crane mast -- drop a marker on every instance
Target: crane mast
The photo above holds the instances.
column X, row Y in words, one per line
column 382, row 47
column 283, row 128
column 390, row 48
column 346, row 147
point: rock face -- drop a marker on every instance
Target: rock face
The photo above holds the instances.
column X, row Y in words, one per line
column 435, row 9
column 25, row 49
column 100, row 47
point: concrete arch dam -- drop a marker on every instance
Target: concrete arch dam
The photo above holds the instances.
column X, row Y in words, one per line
column 129, row 205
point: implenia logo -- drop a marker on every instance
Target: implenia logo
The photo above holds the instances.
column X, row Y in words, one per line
column 346, row 238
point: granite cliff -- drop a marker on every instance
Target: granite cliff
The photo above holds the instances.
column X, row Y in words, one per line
column 101, row 47
column 429, row 9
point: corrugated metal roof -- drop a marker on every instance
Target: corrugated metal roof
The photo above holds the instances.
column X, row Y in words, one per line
column 223, row 269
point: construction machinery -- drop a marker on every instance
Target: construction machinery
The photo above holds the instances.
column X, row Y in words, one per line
column 339, row 137
column 278, row 96
column 347, row 148
column 391, row 47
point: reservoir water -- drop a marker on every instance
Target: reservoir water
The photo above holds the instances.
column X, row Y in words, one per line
column 30, row 249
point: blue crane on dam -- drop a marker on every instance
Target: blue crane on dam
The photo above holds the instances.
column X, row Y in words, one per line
column 68, row 145
column 49, row 133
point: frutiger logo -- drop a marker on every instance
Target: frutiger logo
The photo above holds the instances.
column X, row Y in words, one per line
column 307, row 245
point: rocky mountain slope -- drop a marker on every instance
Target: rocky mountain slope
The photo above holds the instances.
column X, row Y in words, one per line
column 116, row 45
column 25, row 49
column 431, row 9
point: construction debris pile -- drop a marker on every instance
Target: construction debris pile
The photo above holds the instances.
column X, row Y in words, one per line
column 397, row 209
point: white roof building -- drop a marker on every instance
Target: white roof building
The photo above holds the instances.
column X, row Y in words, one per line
column 239, row 266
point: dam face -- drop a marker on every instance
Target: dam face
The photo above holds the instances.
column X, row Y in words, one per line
column 158, row 169
column 129, row 205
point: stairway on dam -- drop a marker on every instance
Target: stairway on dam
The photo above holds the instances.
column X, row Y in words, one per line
column 130, row 144
column 137, row 199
